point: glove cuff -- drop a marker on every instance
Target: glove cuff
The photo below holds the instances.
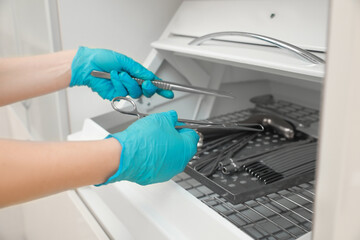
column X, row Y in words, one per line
column 117, row 176
column 76, row 68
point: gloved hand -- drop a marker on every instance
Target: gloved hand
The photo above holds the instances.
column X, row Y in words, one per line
column 153, row 150
column 121, row 69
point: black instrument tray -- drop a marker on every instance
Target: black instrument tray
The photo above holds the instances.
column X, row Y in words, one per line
column 241, row 186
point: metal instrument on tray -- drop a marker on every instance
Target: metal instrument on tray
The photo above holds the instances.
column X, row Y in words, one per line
column 172, row 86
column 246, row 165
column 280, row 125
column 202, row 126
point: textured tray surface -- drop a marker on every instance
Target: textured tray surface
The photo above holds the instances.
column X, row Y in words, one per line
column 240, row 186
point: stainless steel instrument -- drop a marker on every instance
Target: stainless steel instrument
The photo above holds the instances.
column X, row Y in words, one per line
column 172, row 86
column 205, row 125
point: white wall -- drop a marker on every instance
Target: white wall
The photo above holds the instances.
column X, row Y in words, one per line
column 126, row 26
column 24, row 31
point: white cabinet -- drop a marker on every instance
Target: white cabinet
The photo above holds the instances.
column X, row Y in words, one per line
column 338, row 184
column 193, row 211
column 61, row 216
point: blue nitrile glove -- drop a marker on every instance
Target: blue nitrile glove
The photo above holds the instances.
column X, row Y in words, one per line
column 153, row 150
column 121, row 69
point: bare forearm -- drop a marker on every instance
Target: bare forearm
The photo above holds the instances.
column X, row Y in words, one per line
column 26, row 77
column 30, row 170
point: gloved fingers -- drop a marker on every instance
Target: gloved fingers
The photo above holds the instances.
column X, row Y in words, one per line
column 134, row 68
column 103, row 87
column 118, row 85
column 130, row 84
column 191, row 139
column 148, row 88
column 190, row 135
column 190, row 132
column 172, row 117
column 180, row 124
column 165, row 93
column 163, row 120
column 182, row 130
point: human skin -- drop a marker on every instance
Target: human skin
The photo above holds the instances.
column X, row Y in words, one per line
column 29, row 170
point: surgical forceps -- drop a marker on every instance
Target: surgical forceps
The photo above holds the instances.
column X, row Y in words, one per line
column 200, row 125
column 171, row 86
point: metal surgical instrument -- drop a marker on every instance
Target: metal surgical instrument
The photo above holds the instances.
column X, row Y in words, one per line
column 200, row 125
column 171, row 86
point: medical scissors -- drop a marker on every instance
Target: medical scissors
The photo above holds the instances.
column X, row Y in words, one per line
column 193, row 124
column 171, row 86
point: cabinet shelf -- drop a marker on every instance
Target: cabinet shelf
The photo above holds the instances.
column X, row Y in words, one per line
column 244, row 55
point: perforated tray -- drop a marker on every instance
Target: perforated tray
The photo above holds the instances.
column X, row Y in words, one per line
column 241, row 186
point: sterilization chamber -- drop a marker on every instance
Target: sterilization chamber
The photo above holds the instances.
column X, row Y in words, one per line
column 272, row 59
